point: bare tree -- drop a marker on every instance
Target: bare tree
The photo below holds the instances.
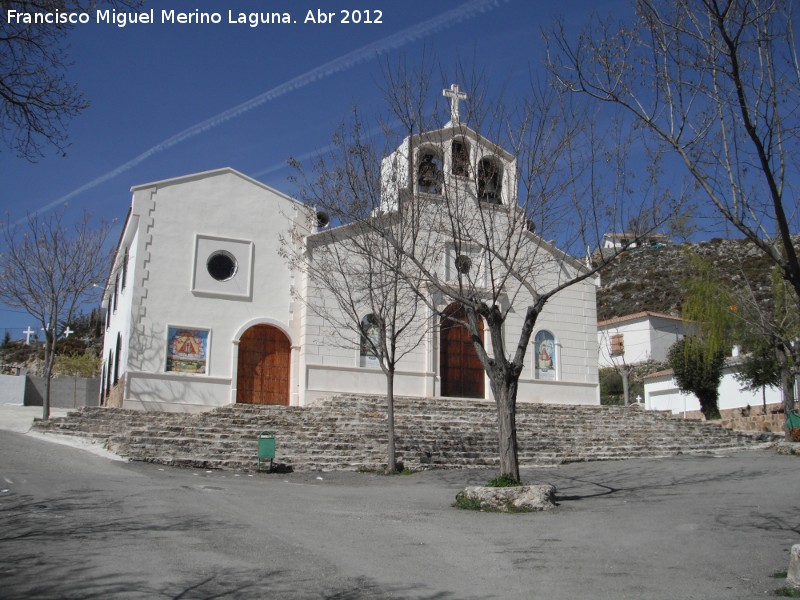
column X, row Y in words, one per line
column 373, row 308
column 715, row 82
column 51, row 269
column 473, row 216
column 36, row 98
column 616, row 356
column 769, row 326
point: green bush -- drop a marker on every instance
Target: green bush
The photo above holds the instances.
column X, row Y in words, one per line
column 611, row 392
column 788, row 592
column 504, row 480
column 77, row 365
column 465, row 502
column 698, row 369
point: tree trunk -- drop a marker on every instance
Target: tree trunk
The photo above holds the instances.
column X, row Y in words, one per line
column 46, row 402
column 505, row 395
column 794, row 369
column 48, row 374
column 626, row 394
column 391, row 465
column 709, row 406
column 796, row 395
column 787, row 389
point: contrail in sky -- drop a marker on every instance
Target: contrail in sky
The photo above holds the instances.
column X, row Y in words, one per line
column 369, row 134
column 447, row 19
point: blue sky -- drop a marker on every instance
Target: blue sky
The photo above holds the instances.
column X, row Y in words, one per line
column 170, row 99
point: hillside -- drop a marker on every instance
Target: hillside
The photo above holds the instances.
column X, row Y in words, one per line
column 87, row 342
column 649, row 278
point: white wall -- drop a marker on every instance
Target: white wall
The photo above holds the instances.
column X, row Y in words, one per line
column 330, row 361
column 179, row 221
column 645, row 338
column 330, row 358
column 662, row 393
column 12, row 389
column 118, row 318
column 664, row 335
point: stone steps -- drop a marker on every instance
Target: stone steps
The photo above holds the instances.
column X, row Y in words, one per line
column 349, row 432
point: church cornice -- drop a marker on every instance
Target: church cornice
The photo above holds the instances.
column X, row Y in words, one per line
column 208, row 175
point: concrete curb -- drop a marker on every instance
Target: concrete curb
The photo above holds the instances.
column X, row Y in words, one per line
column 20, row 419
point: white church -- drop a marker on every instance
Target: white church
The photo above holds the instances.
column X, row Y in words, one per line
column 200, row 310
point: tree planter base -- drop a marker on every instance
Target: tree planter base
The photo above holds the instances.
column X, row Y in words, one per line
column 524, row 498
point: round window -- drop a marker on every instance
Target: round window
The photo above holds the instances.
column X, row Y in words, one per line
column 463, row 264
column 221, row 265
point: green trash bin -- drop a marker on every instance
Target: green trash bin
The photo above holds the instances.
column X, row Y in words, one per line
column 793, row 420
column 266, row 448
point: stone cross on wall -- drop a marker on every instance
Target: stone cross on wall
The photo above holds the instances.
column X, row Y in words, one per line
column 455, row 96
column 28, row 333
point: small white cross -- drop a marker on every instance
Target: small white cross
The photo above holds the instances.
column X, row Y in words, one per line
column 68, row 332
column 28, row 333
column 455, row 96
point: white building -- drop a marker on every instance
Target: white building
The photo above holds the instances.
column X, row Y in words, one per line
column 633, row 240
column 200, row 311
column 637, row 337
column 661, row 392
column 196, row 279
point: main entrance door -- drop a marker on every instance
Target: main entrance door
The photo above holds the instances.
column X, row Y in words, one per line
column 461, row 371
column 263, row 366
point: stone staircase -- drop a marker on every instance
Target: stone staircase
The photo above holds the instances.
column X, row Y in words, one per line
column 349, row 433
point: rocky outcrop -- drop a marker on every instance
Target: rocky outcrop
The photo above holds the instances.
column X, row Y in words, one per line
column 649, row 278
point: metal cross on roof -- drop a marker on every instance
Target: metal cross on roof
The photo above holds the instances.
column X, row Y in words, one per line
column 455, row 96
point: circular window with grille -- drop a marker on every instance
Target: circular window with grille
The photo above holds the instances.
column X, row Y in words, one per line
column 463, row 264
column 222, row 265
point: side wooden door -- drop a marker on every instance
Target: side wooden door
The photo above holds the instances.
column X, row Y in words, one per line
column 263, row 366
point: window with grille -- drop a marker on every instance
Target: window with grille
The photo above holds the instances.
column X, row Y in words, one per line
column 617, row 346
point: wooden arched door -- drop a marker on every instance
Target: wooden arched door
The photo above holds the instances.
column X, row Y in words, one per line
column 461, row 370
column 263, row 366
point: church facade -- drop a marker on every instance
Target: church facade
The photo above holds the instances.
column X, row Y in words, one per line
column 203, row 309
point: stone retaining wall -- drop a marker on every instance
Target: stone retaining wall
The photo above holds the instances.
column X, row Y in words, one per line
column 752, row 419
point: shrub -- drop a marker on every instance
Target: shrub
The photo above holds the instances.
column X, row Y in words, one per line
column 698, row 369
column 465, row 502
column 611, row 392
column 788, row 592
column 504, row 480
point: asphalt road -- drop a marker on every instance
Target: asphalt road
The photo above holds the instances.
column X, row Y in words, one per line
column 77, row 525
